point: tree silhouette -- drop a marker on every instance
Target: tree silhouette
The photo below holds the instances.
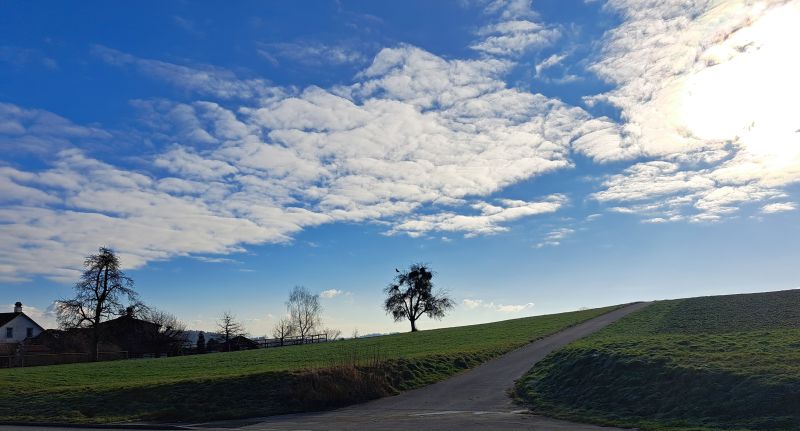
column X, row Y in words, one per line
column 282, row 329
column 170, row 335
column 229, row 328
column 332, row 334
column 304, row 311
column 411, row 296
column 201, row 342
column 100, row 294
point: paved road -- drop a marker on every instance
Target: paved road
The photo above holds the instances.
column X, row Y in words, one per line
column 474, row 400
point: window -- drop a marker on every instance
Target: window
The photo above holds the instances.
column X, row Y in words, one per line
column 9, row 332
column 29, row 333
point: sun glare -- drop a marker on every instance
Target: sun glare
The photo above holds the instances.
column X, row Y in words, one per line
column 748, row 94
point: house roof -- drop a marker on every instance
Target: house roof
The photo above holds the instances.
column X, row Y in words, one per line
column 7, row 317
column 127, row 320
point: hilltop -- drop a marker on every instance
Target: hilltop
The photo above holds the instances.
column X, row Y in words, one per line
column 717, row 362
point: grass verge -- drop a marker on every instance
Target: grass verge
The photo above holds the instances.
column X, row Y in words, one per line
column 262, row 382
column 723, row 362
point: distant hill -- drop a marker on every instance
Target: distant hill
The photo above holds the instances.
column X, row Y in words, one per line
column 377, row 334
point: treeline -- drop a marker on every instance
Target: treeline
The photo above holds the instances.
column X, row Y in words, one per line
column 106, row 308
column 105, row 312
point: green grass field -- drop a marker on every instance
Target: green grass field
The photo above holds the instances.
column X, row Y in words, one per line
column 723, row 362
column 262, row 382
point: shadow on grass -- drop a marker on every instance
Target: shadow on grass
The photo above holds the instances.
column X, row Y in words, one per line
column 354, row 380
column 652, row 394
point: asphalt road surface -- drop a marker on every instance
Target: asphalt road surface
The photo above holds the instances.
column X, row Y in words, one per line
column 474, row 400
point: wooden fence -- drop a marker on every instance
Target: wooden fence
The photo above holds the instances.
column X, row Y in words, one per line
column 292, row 341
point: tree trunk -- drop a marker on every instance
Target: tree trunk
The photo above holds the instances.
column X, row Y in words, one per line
column 95, row 345
column 413, row 325
column 98, row 313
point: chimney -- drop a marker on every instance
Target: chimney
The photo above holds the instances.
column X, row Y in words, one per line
column 18, row 307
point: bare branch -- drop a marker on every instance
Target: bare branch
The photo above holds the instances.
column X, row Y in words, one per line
column 102, row 292
column 304, row 311
column 229, row 327
column 284, row 328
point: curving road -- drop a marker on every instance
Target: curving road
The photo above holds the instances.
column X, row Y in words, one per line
column 474, row 400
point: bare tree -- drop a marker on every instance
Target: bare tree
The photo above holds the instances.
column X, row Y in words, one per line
column 332, row 334
column 411, row 295
column 282, row 329
column 229, row 327
column 100, row 294
column 304, row 311
column 355, row 334
column 171, row 334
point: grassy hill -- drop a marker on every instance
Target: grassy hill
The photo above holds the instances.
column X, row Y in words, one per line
column 721, row 362
column 262, row 382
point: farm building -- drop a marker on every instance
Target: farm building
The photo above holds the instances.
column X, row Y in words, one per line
column 17, row 326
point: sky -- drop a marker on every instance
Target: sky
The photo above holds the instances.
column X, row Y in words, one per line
column 540, row 156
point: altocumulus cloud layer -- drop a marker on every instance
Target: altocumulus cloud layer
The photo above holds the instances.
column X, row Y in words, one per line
column 418, row 142
column 707, row 90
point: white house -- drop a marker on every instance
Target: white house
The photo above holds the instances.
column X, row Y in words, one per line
column 17, row 326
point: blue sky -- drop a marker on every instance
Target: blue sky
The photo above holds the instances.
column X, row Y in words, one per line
column 540, row 156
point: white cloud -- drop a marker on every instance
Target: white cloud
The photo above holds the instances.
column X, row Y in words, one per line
column 418, row 142
column 205, row 80
column 424, row 80
column 714, row 143
column 778, row 207
column 510, row 9
column 14, row 192
column 311, row 53
column 548, row 62
column 514, row 308
column 330, row 293
column 472, row 304
column 514, row 31
column 662, row 190
column 216, row 259
column 555, row 236
column 98, row 204
column 644, row 180
column 487, row 222
column 190, row 165
column 510, row 38
column 41, row 132
column 415, row 132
